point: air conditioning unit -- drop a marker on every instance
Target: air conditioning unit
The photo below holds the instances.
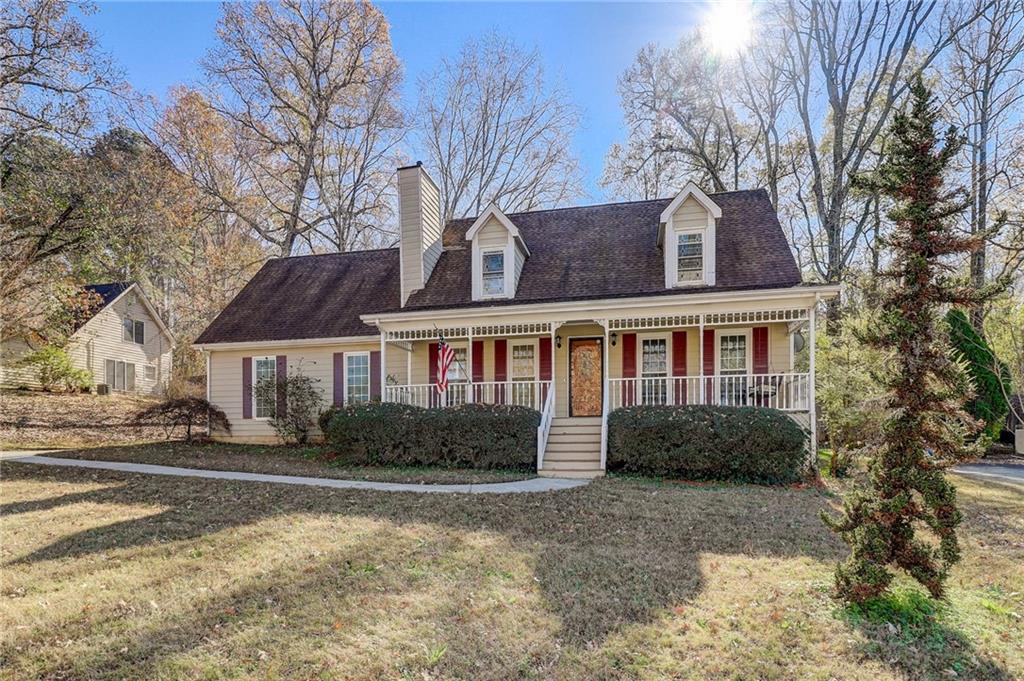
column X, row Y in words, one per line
column 102, row 389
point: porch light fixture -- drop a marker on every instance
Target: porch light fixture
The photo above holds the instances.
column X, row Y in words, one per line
column 615, row 338
column 558, row 341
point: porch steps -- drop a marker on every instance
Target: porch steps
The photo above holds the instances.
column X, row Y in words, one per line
column 574, row 448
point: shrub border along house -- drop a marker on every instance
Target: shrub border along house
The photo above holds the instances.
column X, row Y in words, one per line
column 469, row 436
column 748, row 444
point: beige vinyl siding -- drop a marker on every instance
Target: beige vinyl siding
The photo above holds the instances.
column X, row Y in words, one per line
column 690, row 215
column 100, row 339
column 520, row 261
column 11, row 374
column 492, row 235
column 420, row 224
column 316, row 361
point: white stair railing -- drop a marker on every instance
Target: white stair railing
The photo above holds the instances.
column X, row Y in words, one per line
column 546, row 416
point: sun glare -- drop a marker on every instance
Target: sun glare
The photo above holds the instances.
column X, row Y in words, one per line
column 728, row 26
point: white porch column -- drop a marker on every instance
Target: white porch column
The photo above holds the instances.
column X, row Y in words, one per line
column 605, row 396
column 700, row 369
column 812, row 408
column 383, row 367
column 469, row 369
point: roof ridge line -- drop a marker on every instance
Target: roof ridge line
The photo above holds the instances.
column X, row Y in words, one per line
column 610, row 203
column 337, row 253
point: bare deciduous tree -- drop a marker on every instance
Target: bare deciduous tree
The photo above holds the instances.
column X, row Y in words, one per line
column 985, row 85
column 292, row 82
column 50, row 71
column 849, row 64
column 494, row 130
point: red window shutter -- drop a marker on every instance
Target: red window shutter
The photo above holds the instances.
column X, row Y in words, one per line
column 501, row 360
column 628, row 367
column 679, row 365
column 282, row 378
column 375, row 375
column 478, row 361
column 629, row 355
column 545, row 358
column 339, row 379
column 708, row 369
column 709, row 352
column 760, row 349
column 247, row 387
column 432, row 362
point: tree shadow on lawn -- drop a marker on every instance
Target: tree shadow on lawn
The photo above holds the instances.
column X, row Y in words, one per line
column 905, row 629
column 606, row 556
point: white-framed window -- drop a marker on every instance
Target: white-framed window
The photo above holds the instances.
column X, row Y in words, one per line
column 133, row 330
column 523, row 361
column 734, row 361
column 653, row 367
column 150, row 372
column 120, row 375
column 357, row 377
column 458, row 368
column 263, row 369
column 493, row 271
column 689, row 257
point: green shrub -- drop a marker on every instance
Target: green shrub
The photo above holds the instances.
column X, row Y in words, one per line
column 55, row 372
column 989, row 375
column 470, row 436
column 751, row 444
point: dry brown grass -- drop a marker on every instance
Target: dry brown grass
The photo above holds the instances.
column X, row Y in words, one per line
column 38, row 420
column 279, row 460
column 109, row 575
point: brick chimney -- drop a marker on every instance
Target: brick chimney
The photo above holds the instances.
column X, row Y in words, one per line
column 419, row 222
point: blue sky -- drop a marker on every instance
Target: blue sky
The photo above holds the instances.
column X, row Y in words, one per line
column 585, row 45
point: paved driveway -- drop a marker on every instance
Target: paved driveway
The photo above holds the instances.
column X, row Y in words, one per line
column 1007, row 472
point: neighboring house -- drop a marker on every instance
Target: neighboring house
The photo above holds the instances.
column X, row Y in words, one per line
column 124, row 345
column 572, row 311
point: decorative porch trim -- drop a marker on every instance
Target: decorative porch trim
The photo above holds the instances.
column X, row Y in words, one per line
column 791, row 315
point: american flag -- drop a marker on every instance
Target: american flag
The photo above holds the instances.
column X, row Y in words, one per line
column 445, row 357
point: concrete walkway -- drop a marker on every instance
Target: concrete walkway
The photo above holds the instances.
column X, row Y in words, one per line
column 1008, row 472
column 531, row 485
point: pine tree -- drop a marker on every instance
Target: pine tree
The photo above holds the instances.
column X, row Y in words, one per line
column 926, row 430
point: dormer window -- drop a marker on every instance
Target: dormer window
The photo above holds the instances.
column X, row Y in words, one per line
column 499, row 253
column 690, row 257
column 493, row 273
column 686, row 235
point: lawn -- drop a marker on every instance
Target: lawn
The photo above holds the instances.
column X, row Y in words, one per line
column 110, row 575
column 280, row 460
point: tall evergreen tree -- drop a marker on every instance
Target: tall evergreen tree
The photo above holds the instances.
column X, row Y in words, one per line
column 926, row 430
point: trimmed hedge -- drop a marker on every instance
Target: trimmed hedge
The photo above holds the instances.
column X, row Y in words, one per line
column 749, row 444
column 470, row 436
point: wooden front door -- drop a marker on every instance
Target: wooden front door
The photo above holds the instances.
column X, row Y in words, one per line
column 586, row 381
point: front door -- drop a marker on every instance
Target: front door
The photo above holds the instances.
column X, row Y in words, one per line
column 586, row 382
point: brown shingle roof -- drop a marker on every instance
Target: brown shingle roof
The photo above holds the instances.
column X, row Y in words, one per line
column 589, row 252
column 313, row 296
column 610, row 251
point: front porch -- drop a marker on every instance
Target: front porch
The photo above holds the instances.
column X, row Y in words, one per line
column 576, row 371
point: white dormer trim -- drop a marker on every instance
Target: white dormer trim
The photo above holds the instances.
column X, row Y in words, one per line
column 691, row 189
column 513, row 245
column 492, row 211
column 667, row 237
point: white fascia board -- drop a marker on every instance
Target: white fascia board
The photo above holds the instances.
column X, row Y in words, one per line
column 257, row 345
column 604, row 306
column 691, row 189
column 495, row 212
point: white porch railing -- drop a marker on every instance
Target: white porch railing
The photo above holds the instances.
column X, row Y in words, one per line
column 546, row 415
column 531, row 394
column 786, row 391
